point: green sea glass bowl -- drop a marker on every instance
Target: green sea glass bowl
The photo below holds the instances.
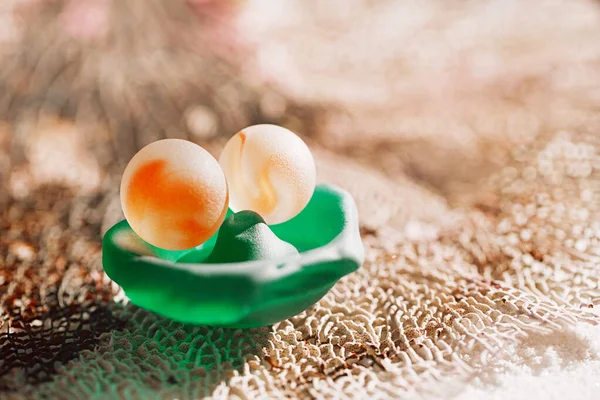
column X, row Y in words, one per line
column 176, row 284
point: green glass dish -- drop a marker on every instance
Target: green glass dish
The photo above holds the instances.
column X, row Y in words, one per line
column 178, row 285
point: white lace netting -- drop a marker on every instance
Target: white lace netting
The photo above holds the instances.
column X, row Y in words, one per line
column 468, row 134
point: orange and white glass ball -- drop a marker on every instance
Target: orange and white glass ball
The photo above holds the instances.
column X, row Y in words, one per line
column 270, row 170
column 174, row 194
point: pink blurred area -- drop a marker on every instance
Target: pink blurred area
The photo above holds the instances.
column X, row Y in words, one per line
column 86, row 19
column 363, row 77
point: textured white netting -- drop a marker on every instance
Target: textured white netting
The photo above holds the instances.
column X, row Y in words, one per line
column 468, row 134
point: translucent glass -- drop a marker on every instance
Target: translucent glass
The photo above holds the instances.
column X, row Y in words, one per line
column 270, row 170
column 180, row 285
column 174, row 194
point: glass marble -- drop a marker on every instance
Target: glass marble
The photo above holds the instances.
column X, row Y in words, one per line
column 270, row 170
column 174, row 194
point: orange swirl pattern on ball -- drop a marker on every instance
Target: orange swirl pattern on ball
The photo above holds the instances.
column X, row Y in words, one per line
column 181, row 205
column 270, row 170
column 266, row 201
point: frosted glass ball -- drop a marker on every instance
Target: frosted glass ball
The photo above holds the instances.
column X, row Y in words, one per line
column 174, row 194
column 270, row 171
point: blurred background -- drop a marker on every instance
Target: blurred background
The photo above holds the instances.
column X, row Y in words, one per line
column 419, row 108
column 393, row 84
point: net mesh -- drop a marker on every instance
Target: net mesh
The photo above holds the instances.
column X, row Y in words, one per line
column 480, row 219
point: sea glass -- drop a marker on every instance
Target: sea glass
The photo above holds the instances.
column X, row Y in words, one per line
column 245, row 236
column 181, row 285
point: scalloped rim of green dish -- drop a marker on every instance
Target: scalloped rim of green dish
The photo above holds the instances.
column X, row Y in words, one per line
column 344, row 251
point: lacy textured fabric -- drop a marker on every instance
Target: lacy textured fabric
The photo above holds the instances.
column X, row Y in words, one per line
column 480, row 219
